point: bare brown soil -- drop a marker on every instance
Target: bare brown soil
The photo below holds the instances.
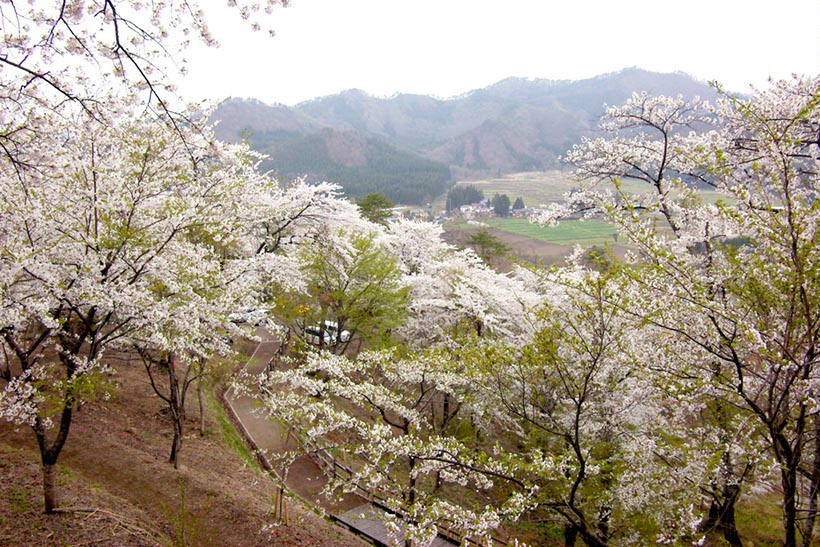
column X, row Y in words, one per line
column 115, row 468
column 523, row 248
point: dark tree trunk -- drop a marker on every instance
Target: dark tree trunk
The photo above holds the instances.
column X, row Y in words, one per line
column 50, row 453
column 570, row 535
column 814, row 488
column 790, row 507
column 201, row 406
column 50, row 487
column 177, row 412
column 721, row 516
column 592, row 540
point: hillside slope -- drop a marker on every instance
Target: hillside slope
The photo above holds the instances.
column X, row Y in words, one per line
column 115, row 466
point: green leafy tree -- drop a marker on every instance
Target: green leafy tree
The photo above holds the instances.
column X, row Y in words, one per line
column 519, row 204
column 463, row 195
column 352, row 281
column 376, row 207
column 487, row 246
column 501, row 205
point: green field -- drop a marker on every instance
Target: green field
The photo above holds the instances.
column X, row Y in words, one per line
column 542, row 187
column 568, row 232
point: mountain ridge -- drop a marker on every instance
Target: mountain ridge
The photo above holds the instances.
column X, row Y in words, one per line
column 516, row 124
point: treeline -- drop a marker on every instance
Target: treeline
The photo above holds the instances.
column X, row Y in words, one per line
column 463, row 195
column 401, row 176
column 468, row 194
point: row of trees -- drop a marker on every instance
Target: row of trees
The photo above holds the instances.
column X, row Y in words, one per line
column 123, row 224
column 637, row 402
column 463, row 195
column 501, row 204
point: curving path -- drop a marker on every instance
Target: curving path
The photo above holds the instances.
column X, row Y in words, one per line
column 305, row 478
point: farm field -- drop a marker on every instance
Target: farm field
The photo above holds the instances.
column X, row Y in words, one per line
column 568, row 232
column 540, row 243
column 535, row 188
column 541, row 187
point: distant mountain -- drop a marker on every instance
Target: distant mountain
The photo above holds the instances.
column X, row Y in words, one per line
column 408, row 146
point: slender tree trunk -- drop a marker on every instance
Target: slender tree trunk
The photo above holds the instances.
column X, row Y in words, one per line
column 50, row 487
column 177, row 411
column 814, row 488
column 790, row 507
column 49, row 454
column 176, row 446
column 570, row 534
column 726, row 518
column 411, row 495
column 201, row 406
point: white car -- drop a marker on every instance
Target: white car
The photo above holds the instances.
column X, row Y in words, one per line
column 251, row 316
column 327, row 336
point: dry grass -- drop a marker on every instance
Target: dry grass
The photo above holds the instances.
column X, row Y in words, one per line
column 116, row 464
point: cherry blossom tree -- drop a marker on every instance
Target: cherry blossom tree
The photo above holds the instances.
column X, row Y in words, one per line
column 125, row 237
column 453, row 294
column 567, row 425
column 76, row 53
column 593, row 432
column 733, row 282
column 398, row 421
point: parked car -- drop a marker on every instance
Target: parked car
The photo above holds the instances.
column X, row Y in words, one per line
column 326, row 334
column 251, row 316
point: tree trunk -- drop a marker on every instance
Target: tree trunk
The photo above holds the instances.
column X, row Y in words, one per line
column 721, row 516
column 49, row 454
column 790, row 507
column 814, row 488
column 177, row 411
column 726, row 520
column 593, row 540
column 50, row 487
column 411, row 495
column 201, row 406
column 176, row 446
column 570, row 535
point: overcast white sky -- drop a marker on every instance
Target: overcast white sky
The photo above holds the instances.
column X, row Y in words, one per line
column 448, row 47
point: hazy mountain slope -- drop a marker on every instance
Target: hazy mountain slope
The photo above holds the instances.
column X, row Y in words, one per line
column 516, row 124
column 361, row 165
column 253, row 118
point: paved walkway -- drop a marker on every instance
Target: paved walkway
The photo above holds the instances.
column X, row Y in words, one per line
column 369, row 521
column 304, row 476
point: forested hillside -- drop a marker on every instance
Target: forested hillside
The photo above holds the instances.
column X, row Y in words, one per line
column 410, row 146
column 361, row 165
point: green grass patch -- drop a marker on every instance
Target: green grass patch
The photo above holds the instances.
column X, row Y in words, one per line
column 21, row 500
column 759, row 521
column 568, row 232
column 227, row 432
